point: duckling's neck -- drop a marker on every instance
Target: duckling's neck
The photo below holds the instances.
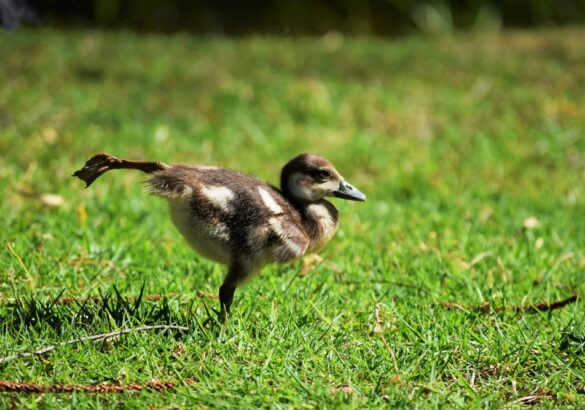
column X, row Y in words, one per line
column 320, row 220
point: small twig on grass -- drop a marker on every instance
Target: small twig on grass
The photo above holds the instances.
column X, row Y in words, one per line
column 91, row 338
column 156, row 385
column 533, row 399
column 486, row 307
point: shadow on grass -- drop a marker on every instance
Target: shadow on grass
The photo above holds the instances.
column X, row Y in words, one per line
column 89, row 313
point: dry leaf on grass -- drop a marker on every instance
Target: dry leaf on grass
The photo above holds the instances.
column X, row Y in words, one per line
column 49, row 135
column 530, row 222
column 47, row 198
column 53, row 200
column 179, row 350
column 309, row 263
column 378, row 325
column 202, row 294
column 344, row 389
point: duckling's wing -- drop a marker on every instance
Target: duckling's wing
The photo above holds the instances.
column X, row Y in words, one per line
column 290, row 239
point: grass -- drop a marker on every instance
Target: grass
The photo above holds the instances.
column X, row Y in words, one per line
column 459, row 142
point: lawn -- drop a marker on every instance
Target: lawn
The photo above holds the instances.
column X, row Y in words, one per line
column 471, row 150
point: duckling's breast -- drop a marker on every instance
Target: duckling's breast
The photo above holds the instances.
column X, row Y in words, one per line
column 321, row 221
column 210, row 237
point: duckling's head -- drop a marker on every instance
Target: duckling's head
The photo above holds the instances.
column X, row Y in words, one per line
column 309, row 178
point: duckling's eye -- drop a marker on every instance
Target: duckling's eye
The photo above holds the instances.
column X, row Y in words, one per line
column 321, row 174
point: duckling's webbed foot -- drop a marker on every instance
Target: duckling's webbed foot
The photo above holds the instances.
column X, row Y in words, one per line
column 96, row 166
column 102, row 163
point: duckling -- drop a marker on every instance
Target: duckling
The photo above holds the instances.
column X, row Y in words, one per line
column 239, row 220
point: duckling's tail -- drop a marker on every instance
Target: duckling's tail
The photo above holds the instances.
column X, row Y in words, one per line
column 101, row 163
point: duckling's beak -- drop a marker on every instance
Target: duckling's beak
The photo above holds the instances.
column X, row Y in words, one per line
column 348, row 191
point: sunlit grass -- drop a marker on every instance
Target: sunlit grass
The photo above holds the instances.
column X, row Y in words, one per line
column 471, row 152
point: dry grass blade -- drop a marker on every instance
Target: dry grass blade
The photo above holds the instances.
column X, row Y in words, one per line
column 379, row 329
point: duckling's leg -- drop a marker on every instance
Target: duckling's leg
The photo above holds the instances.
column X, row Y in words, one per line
column 101, row 163
column 236, row 274
column 226, row 296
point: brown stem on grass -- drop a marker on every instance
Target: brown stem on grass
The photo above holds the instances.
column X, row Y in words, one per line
column 486, row 307
column 155, row 385
column 543, row 307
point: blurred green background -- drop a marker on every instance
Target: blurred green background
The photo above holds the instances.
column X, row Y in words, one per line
column 293, row 17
